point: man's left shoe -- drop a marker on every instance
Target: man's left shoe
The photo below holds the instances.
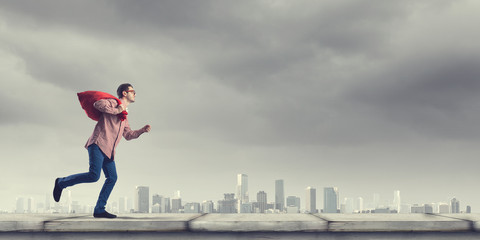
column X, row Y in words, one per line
column 57, row 191
column 104, row 215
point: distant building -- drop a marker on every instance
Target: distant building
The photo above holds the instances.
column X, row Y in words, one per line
column 122, row 205
column 228, row 204
column 455, row 205
column 293, row 201
column 165, row 207
column 428, row 208
column 262, row 201
column 279, row 195
column 349, row 205
column 20, row 205
column 397, row 203
column 418, row 208
column 246, row 208
column 330, row 203
column 177, row 205
column 359, row 204
column 242, row 190
column 469, row 209
column 142, row 203
column 311, row 200
column 157, row 200
column 191, row 208
column 443, row 208
column 207, row 207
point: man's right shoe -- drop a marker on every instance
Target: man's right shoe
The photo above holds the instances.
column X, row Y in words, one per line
column 57, row 191
column 104, row 215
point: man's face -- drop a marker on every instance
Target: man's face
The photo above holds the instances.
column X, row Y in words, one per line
column 130, row 94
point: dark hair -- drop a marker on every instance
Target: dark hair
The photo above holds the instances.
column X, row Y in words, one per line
column 121, row 88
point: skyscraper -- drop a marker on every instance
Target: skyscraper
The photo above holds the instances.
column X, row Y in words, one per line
column 455, row 205
column 142, row 199
column 157, row 200
column 396, row 201
column 330, row 200
column 227, row 205
column 262, row 201
column 311, row 200
column 207, row 207
column 279, row 195
column 176, row 205
column 242, row 190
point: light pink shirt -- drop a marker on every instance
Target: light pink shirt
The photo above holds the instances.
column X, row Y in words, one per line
column 110, row 129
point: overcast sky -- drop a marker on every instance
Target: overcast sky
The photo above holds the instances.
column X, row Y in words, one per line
column 368, row 96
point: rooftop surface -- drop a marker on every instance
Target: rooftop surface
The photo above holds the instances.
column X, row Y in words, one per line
column 241, row 226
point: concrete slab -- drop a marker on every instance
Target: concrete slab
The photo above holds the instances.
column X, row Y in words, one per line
column 123, row 223
column 472, row 218
column 393, row 222
column 258, row 223
column 27, row 222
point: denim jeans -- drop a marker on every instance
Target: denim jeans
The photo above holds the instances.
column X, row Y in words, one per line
column 98, row 161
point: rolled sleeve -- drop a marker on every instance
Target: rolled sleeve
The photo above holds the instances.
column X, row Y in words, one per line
column 107, row 106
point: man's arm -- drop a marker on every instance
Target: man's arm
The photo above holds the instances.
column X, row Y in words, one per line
column 108, row 106
column 130, row 134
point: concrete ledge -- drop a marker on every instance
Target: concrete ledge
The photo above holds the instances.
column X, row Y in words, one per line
column 258, row 222
column 127, row 223
column 242, row 223
column 395, row 223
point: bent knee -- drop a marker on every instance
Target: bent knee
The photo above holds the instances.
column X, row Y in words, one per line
column 92, row 176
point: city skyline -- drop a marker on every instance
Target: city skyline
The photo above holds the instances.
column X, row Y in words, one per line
column 333, row 202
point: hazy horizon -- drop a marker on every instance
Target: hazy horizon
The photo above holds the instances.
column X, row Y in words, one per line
column 367, row 96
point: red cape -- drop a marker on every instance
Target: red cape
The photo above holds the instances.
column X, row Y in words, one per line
column 88, row 98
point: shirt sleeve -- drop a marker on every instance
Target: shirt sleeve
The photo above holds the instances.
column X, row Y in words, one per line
column 106, row 106
column 130, row 134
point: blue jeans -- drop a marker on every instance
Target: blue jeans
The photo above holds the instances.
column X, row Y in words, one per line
column 98, row 161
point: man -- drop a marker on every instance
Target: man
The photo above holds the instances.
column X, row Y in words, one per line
column 101, row 148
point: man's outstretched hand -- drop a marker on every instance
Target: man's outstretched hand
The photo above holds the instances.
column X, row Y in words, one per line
column 147, row 128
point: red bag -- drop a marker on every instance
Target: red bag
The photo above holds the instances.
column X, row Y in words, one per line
column 88, row 98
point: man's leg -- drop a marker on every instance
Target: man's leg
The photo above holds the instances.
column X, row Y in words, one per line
column 96, row 157
column 110, row 171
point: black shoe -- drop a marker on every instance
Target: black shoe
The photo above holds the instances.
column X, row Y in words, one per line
column 104, row 215
column 57, row 191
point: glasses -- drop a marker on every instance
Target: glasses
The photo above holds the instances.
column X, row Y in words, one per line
column 134, row 93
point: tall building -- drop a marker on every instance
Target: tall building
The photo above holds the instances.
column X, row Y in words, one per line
column 157, row 200
column 142, row 199
column 20, row 205
column 227, row 205
column 330, row 200
column 311, row 200
column 455, row 205
column 176, row 205
column 207, row 207
column 122, row 205
column 469, row 209
column 242, row 190
column 165, row 207
column 349, row 205
column 30, row 205
column 262, row 201
column 396, row 201
column 279, row 195
column 359, row 204
column 293, row 201
column 443, row 208
column 192, row 207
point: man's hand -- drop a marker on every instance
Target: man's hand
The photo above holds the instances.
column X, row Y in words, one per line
column 121, row 108
column 147, row 128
